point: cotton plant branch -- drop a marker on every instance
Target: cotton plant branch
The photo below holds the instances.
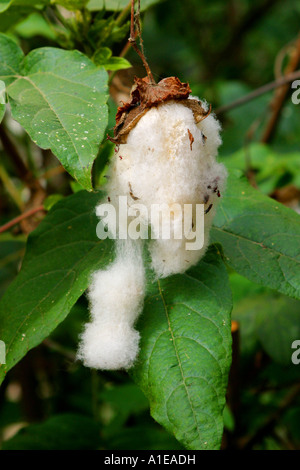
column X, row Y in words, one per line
column 281, row 94
column 20, row 218
column 258, row 92
column 11, row 188
column 135, row 26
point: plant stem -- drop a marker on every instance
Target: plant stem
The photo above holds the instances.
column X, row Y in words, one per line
column 123, row 15
column 10, row 188
column 21, row 217
column 54, row 346
column 132, row 41
column 280, row 96
column 258, row 92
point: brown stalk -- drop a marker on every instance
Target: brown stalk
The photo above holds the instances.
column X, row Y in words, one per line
column 20, row 218
column 135, row 24
column 280, row 95
column 258, row 92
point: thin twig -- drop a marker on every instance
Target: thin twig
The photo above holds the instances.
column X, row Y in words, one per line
column 132, row 40
column 57, row 170
column 54, row 346
column 123, row 15
column 258, row 92
column 273, row 419
column 11, row 188
column 21, row 217
column 280, row 96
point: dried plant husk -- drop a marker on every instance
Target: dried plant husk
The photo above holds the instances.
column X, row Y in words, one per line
column 145, row 95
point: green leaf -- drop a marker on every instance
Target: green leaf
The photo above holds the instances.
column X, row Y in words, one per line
column 34, row 25
column 11, row 252
column 2, row 99
column 186, row 352
column 51, row 200
column 14, row 15
column 117, row 5
column 11, row 56
column 260, row 237
column 61, row 432
column 71, row 4
column 277, row 326
column 60, row 256
column 4, row 4
column 103, row 57
column 59, row 97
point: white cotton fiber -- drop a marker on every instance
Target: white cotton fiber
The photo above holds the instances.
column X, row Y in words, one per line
column 158, row 164
column 116, row 297
column 169, row 159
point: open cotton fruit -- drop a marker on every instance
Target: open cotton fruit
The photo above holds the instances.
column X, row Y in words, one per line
column 167, row 144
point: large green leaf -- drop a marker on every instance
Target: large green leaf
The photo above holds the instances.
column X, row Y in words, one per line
column 103, row 56
column 59, row 97
column 186, row 352
column 11, row 252
column 185, row 328
column 10, row 58
column 60, row 255
column 260, row 237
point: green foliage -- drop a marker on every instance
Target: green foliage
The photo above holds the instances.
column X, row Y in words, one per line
column 54, row 83
column 11, row 252
column 53, row 275
column 117, row 5
column 185, row 352
column 62, row 432
column 103, row 56
column 4, row 4
column 71, row 4
column 60, row 100
column 260, row 237
column 273, row 170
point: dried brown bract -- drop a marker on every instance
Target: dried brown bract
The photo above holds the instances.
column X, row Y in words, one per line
column 145, row 95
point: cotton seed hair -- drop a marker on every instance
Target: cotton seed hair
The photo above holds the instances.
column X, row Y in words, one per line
column 167, row 156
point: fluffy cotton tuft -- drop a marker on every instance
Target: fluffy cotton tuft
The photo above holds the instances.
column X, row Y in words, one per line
column 168, row 158
column 116, row 297
column 159, row 164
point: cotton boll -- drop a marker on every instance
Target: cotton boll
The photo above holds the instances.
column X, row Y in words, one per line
column 116, row 297
column 160, row 165
column 168, row 159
